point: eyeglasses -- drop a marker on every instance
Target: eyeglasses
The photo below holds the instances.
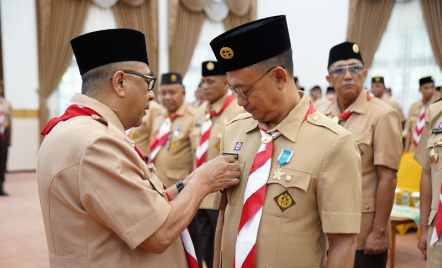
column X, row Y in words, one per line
column 150, row 79
column 236, row 91
column 341, row 70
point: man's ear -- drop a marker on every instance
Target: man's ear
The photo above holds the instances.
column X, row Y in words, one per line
column 328, row 78
column 118, row 83
column 281, row 77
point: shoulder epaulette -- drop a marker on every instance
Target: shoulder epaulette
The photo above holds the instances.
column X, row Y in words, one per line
column 99, row 119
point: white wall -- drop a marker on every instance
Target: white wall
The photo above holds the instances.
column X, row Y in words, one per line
column 315, row 27
column 20, row 65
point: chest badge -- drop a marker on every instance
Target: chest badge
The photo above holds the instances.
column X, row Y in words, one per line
column 238, row 146
column 277, row 175
column 284, row 201
column 434, row 156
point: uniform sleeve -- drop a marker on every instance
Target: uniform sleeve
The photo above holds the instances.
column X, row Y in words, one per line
column 421, row 154
column 113, row 192
column 387, row 141
column 339, row 187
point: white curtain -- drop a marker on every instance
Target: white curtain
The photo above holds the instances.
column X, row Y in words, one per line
column 98, row 18
column 405, row 55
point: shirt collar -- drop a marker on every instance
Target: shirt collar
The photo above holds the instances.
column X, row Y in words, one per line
column 217, row 105
column 181, row 109
column 289, row 126
column 358, row 106
column 100, row 108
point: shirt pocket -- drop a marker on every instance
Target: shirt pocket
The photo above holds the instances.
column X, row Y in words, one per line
column 434, row 146
column 294, row 182
column 233, row 191
column 364, row 142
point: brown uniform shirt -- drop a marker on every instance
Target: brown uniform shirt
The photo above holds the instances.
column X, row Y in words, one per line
column 99, row 200
column 212, row 200
column 142, row 134
column 323, row 178
column 174, row 161
column 428, row 142
column 377, row 131
column 413, row 115
column 394, row 105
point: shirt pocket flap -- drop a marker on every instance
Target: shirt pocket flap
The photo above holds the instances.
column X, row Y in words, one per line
column 290, row 178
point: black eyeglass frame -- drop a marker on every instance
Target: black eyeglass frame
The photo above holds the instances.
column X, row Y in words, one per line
column 237, row 91
column 151, row 84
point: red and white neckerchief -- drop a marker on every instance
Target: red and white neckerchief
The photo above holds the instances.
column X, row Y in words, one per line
column 75, row 110
column 245, row 250
column 438, row 222
column 160, row 137
column 188, row 245
column 420, row 123
column 346, row 115
column 203, row 145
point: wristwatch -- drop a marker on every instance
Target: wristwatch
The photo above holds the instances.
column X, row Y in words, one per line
column 180, row 186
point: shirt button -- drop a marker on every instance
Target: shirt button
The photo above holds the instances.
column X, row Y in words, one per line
column 288, row 178
column 314, row 118
column 367, row 207
column 357, row 139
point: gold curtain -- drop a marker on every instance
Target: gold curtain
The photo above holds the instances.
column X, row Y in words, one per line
column 367, row 23
column 58, row 21
column 432, row 13
column 143, row 18
column 240, row 12
column 184, row 29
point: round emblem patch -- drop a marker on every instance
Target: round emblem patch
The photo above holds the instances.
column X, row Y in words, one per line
column 355, row 48
column 210, row 66
column 226, row 53
column 173, row 78
column 377, row 79
column 285, row 201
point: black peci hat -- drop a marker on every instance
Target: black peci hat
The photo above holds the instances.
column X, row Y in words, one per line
column 439, row 88
column 99, row 48
column 171, row 78
column 210, row 68
column 251, row 43
column 330, row 90
column 377, row 79
column 344, row 51
column 424, row 80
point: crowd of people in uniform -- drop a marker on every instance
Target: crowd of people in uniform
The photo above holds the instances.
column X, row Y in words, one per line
column 254, row 173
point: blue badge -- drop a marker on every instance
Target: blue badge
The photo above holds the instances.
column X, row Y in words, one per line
column 238, row 146
column 285, row 156
column 440, row 125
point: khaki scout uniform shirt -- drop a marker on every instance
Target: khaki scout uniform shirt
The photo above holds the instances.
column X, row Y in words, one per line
column 413, row 115
column 394, row 105
column 212, row 200
column 323, row 178
column 174, row 161
column 432, row 141
column 377, row 131
column 99, row 200
column 142, row 134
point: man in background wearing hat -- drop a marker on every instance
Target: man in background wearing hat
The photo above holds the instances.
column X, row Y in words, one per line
column 102, row 205
column 416, row 116
column 378, row 89
column 300, row 172
column 141, row 135
column 377, row 131
column 210, row 118
column 428, row 155
column 172, row 132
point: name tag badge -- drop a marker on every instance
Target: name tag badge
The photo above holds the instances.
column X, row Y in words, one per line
column 228, row 153
column 437, row 130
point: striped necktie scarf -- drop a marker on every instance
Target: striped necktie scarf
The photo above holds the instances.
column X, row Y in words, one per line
column 438, row 222
column 245, row 251
column 160, row 137
column 203, row 145
column 420, row 123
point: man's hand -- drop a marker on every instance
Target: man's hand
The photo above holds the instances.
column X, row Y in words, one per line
column 217, row 174
column 375, row 243
column 422, row 242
